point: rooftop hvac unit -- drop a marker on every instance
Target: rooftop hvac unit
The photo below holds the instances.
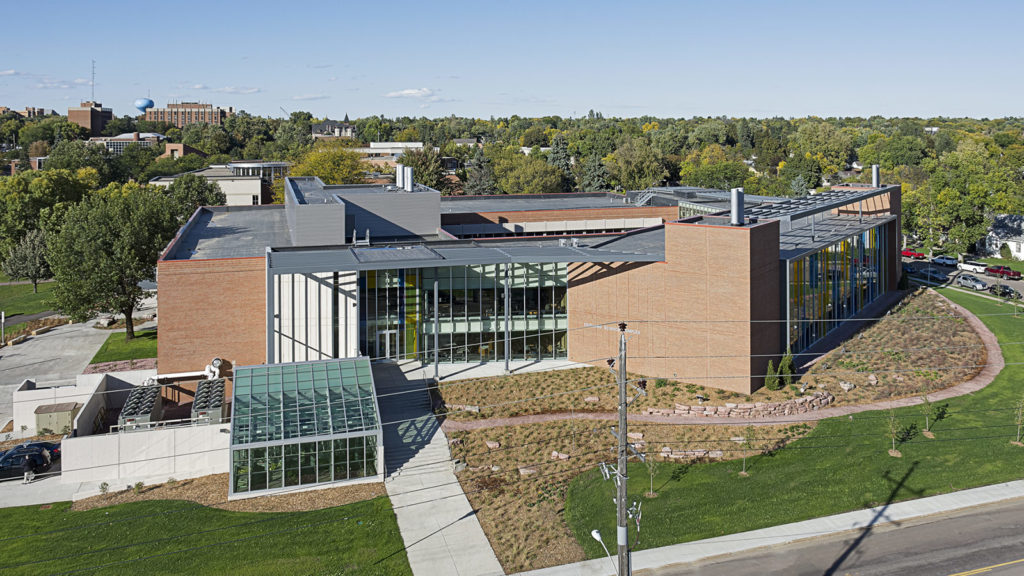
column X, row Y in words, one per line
column 144, row 405
column 209, row 406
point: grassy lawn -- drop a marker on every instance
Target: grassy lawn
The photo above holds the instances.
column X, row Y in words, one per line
column 19, row 299
column 1013, row 264
column 178, row 537
column 841, row 466
column 115, row 348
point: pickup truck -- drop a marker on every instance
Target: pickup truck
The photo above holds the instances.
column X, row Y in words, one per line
column 1004, row 272
column 912, row 254
column 972, row 266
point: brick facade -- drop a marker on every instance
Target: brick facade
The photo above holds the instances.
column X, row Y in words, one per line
column 714, row 282
column 211, row 308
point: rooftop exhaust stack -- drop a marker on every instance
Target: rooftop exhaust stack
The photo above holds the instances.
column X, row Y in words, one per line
column 399, row 175
column 407, row 180
column 876, row 176
column 737, row 207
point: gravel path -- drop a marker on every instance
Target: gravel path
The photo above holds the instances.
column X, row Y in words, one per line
column 993, row 365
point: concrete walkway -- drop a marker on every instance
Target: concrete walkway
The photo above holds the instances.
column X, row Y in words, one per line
column 861, row 520
column 439, row 527
column 993, row 365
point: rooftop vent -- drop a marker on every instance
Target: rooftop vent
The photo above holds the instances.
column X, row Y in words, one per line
column 737, row 207
column 399, row 175
column 407, row 180
column 876, row 176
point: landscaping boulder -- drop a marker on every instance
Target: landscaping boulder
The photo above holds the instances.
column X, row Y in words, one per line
column 847, row 386
column 492, row 444
column 591, row 399
column 527, row 470
column 635, row 435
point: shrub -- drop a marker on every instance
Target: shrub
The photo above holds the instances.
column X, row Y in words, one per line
column 786, row 368
column 104, row 487
column 771, row 379
column 172, row 482
column 138, row 487
column 1004, row 252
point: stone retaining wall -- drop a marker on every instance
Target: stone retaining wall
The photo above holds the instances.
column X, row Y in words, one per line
column 814, row 401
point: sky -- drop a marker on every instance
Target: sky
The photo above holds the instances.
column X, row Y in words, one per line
column 531, row 58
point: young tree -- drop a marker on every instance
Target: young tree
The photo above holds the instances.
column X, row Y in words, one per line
column 786, row 368
column 652, row 469
column 928, row 412
column 1019, row 420
column 771, row 377
column 895, row 432
column 635, row 165
column 108, row 244
column 749, row 437
column 27, row 260
column 190, row 191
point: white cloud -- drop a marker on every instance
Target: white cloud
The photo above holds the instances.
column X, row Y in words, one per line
column 418, row 93
column 422, row 94
column 80, row 81
column 10, row 72
column 200, row 87
column 311, row 97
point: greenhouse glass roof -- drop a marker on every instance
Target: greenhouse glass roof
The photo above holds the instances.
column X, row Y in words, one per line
column 303, row 400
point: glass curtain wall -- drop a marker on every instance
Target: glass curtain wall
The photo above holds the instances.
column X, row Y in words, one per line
column 834, row 283
column 397, row 312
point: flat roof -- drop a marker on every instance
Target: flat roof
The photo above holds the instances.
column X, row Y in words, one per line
column 815, row 203
column 231, row 232
column 526, row 202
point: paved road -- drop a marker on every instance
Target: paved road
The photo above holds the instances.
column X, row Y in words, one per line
column 19, row 318
column 945, row 544
column 1017, row 285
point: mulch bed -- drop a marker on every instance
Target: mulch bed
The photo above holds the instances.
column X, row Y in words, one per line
column 120, row 366
column 212, row 491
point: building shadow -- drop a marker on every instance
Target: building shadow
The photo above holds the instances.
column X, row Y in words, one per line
column 897, row 487
column 408, row 423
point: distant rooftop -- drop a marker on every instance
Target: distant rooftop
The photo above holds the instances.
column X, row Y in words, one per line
column 524, row 202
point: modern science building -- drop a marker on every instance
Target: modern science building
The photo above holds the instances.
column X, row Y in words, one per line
column 713, row 286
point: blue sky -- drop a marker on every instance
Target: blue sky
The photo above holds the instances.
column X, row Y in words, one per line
column 677, row 59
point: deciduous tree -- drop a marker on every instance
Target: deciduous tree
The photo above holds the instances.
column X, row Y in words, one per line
column 27, row 260
column 110, row 243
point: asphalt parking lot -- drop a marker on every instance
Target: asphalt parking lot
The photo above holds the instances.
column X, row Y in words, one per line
column 1017, row 285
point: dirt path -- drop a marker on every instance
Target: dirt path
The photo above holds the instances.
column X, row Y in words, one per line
column 993, row 365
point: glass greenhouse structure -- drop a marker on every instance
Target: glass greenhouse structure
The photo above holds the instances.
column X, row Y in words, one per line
column 302, row 424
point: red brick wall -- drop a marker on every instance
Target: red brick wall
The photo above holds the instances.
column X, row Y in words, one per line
column 692, row 312
column 666, row 213
column 211, row 308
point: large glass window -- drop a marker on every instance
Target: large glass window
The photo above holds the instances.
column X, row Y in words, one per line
column 298, row 424
column 834, row 283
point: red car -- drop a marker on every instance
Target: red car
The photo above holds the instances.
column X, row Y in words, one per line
column 912, row 254
column 1004, row 272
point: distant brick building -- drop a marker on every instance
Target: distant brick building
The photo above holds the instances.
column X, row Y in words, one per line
column 92, row 116
column 185, row 113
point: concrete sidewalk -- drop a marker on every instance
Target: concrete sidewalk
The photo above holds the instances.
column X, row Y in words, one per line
column 439, row 527
column 788, row 533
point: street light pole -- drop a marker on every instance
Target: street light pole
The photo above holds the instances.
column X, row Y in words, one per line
column 621, row 512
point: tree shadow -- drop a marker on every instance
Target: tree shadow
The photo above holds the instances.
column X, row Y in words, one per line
column 898, row 486
column 680, row 470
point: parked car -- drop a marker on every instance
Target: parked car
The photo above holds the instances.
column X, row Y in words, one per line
column 53, row 447
column 909, row 268
column 1004, row 291
column 13, row 462
column 933, row 275
column 1004, row 272
column 944, row 260
column 972, row 282
column 972, row 266
column 912, row 254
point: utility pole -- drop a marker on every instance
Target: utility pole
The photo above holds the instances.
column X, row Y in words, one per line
column 622, row 531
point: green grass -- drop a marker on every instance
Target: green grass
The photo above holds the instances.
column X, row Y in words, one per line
column 841, row 466
column 176, row 537
column 19, row 299
column 1013, row 264
column 115, row 348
